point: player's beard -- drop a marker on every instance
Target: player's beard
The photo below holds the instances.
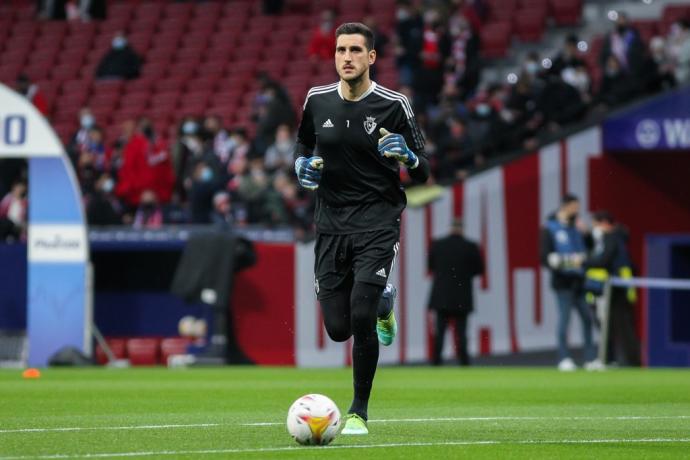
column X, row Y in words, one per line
column 355, row 80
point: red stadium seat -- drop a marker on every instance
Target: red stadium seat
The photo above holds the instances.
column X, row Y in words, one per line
column 37, row 71
column 207, row 10
column 141, row 84
column 167, row 39
column 534, row 5
column 149, row 10
column 160, row 54
column 64, row 72
column 134, row 100
column 530, row 24
column 110, row 27
column 297, row 6
column 214, row 69
column 198, row 38
column 81, row 29
column 566, row 12
column 120, row 10
column 143, row 351
column 112, row 87
column 205, row 82
column 191, row 53
column 173, row 25
column 495, row 39
column 76, row 86
column 154, row 71
column 502, row 10
column 172, row 84
column 74, row 57
column 164, row 101
column 178, row 10
column 117, row 346
column 173, row 346
column 123, row 115
column 18, row 58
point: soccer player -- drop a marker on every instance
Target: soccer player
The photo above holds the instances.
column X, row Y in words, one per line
column 352, row 139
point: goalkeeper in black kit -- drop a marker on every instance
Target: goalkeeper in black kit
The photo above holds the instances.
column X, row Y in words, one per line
column 353, row 137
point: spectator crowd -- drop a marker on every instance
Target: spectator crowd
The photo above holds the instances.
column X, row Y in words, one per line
column 212, row 173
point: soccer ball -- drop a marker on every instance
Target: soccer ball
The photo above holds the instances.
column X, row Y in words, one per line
column 313, row 420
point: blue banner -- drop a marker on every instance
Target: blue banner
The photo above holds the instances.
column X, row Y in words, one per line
column 660, row 124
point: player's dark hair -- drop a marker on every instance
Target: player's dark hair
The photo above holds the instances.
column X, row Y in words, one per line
column 568, row 198
column 350, row 28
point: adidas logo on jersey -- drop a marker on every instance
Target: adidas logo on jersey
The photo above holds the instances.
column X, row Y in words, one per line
column 327, row 124
column 381, row 272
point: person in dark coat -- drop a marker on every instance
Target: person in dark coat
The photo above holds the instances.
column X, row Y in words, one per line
column 120, row 62
column 610, row 254
column 453, row 262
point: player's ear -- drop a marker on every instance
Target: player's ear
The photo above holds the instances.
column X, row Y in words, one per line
column 372, row 57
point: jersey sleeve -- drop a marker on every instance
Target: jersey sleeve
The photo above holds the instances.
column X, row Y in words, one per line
column 306, row 135
column 415, row 141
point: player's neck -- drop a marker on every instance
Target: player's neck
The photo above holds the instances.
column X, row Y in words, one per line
column 353, row 89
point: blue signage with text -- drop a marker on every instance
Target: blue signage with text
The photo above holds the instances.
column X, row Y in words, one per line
column 660, row 124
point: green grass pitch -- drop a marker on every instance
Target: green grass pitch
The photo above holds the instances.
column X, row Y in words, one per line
column 416, row 413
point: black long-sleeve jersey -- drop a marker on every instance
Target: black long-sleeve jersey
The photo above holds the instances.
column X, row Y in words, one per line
column 359, row 190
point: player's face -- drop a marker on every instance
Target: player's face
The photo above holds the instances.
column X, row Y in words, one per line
column 352, row 59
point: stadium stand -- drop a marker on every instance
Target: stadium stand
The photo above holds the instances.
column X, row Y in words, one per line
column 203, row 58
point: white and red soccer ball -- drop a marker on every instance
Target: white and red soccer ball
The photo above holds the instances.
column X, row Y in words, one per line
column 313, row 420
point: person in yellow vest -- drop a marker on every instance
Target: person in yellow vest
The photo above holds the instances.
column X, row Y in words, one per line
column 610, row 257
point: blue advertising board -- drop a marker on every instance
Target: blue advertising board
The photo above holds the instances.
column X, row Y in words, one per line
column 662, row 123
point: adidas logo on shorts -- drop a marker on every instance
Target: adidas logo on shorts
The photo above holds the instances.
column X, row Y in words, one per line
column 327, row 124
column 381, row 272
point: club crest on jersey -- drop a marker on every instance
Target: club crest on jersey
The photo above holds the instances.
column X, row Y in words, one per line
column 370, row 125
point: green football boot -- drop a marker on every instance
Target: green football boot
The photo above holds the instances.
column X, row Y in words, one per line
column 386, row 326
column 355, row 425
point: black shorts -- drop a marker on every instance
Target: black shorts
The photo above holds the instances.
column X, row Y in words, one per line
column 342, row 259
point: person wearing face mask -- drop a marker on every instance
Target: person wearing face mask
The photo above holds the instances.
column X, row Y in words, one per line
column 102, row 207
column 409, row 29
column 87, row 121
column 279, row 154
column 610, row 257
column 625, row 44
column 562, row 251
column 616, row 88
column 120, row 62
column 204, row 184
column 149, row 215
column 322, row 43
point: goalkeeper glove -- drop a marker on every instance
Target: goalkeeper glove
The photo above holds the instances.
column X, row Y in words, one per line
column 394, row 146
column 309, row 171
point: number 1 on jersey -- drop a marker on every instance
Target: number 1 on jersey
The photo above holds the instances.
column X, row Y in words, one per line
column 348, row 123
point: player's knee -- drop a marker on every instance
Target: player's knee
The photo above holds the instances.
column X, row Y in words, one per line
column 338, row 332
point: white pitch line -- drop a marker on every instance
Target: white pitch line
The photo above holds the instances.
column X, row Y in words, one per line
column 108, row 428
column 494, row 419
column 398, row 420
column 358, row 446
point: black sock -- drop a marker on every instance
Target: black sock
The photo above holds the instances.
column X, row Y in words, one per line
column 365, row 350
column 359, row 407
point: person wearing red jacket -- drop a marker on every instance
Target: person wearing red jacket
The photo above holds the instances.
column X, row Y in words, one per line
column 32, row 92
column 322, row 43
column 146, row 165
